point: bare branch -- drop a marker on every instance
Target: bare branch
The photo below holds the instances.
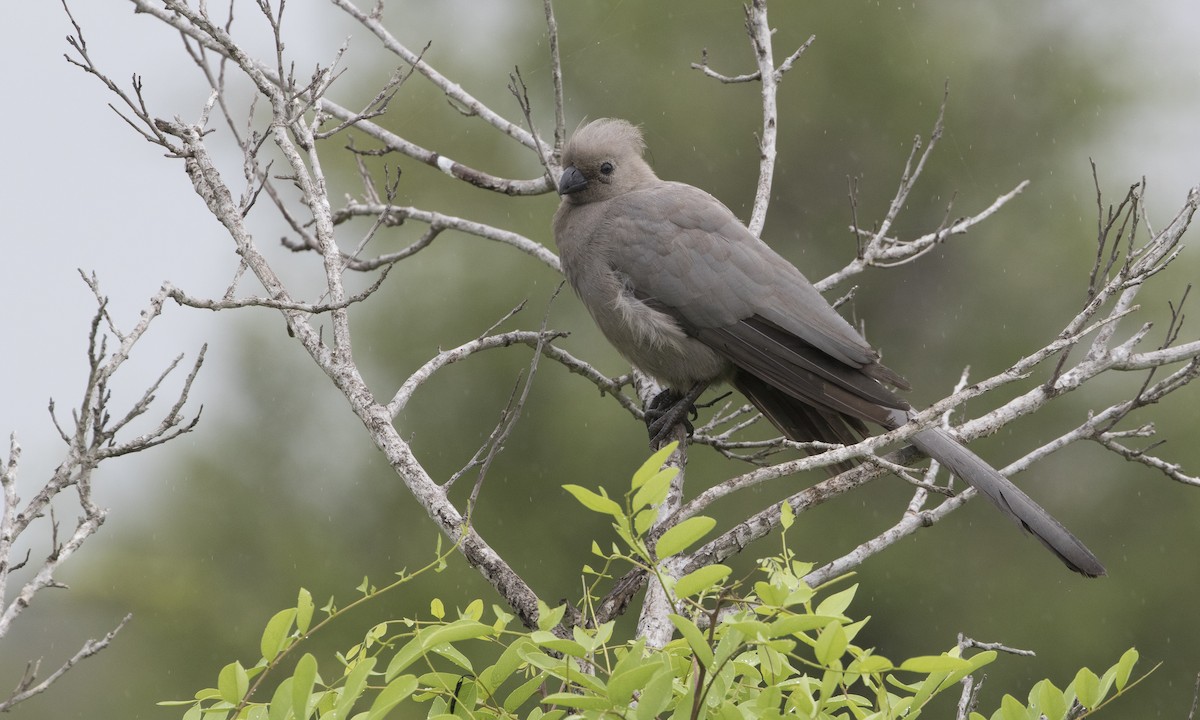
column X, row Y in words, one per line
column 512, row 410
column 703, row 67
column 1172, row 470
column 447, row 357
column 144, row 125
column 310, row 308
column 560, row 123
column 759, row 31
column 95, row 437
column 201, row 35
column 452, row 90
column 520, row 91
column 27, row 688
column 396, row 214
column 882, row 250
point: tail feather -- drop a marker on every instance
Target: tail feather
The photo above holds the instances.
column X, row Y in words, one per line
column 1019, row 507
column 799, row 421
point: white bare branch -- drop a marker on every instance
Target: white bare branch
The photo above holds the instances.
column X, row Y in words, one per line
column 397, row 214
column 759, row 30
column 98, row 434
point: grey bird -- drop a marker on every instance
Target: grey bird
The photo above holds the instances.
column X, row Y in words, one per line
column 687, row 294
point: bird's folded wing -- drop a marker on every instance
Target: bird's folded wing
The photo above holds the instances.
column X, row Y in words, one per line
column 798, row 420
column 681, row 248
column 789, row 365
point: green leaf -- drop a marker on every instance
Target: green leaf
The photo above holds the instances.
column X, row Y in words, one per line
column 1087, row 688
column 752, row 628
column 831, row 644
column 455, row 656
column 1125, row 667
column 404, row 657
column 474, row 610
column 1012, row 709
column 275, row 635
column 563, row 669
column 372, row 636
column 655, row 490
column 553, row 642
column 517, row 697
column 643, row 520
column 700, row 580
column 437, row 609
column 853, row 628
column 1050, row 700
column 626, row 680
column 632, row 655
column 281, row 700
column 575, row 700
column 468, row 695
column 795, row 624
column 302, row 685
column 356, row 683
column 550, row 617
column 594, row 501
column 932, row 683
column 304, row 611
column 769, row 594
column 656, row 695
column 503, row 617
column 681, row 536
column 929, row 664
column 603, row 633
column 869, row 664
column 787, row 515
column 391, row 696
column 508, row 662
column 835, row 605
column 729, row 644
column 232, row 683
column 771, row 665
column 975, row 662
column 453, row 632
column 979, row 660
column 695, row 639
column 652, row 465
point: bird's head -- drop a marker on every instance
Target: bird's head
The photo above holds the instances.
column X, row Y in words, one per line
column 603, row 159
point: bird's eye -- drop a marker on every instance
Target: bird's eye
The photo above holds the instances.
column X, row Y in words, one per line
column 606, row 168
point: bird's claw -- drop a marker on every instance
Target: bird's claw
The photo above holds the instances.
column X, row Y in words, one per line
column 666, row 410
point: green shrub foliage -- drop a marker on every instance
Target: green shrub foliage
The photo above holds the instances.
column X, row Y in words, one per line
column 764, row 646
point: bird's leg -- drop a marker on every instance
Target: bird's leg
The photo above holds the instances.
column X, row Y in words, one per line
column 668, row 409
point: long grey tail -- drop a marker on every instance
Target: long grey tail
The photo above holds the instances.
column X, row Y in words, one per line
column 941, row 446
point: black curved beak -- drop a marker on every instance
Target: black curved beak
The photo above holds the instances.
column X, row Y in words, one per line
column 571, row 181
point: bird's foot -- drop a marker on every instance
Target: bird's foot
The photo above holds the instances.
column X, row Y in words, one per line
column 665, row 411
column 668, row 409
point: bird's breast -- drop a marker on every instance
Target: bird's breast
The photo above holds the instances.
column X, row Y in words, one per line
column 649, row 338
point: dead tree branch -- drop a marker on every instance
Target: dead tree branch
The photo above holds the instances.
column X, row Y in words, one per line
column 97, row 432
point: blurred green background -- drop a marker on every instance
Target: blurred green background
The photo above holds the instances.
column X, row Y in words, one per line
column 279, row 487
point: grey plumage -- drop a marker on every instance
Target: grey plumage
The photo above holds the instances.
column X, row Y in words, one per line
column 691, row 297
